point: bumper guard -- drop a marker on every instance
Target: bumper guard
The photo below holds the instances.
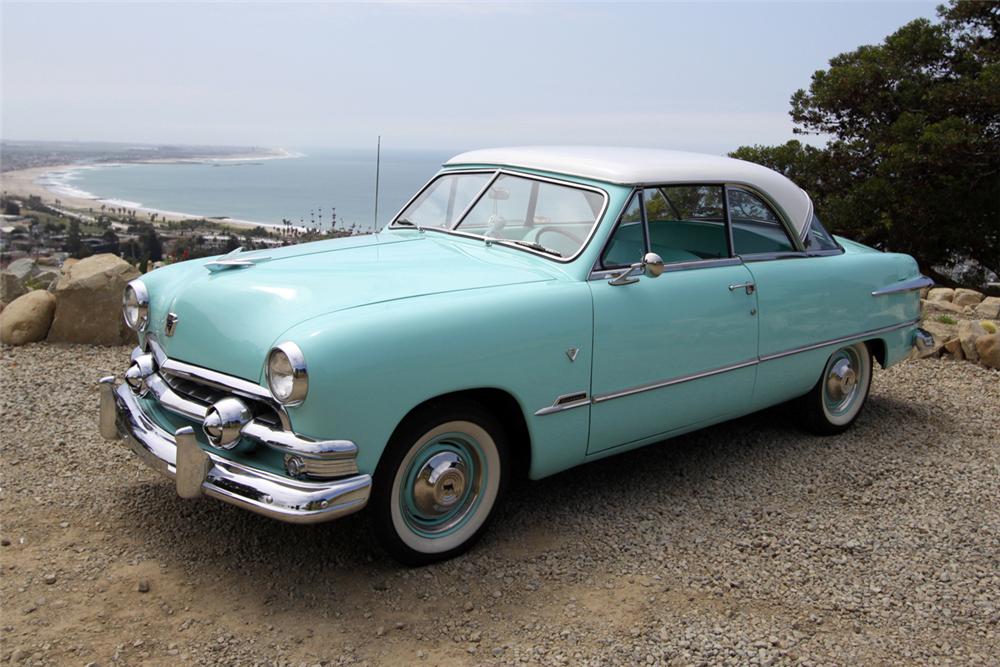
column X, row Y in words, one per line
column 198, row 472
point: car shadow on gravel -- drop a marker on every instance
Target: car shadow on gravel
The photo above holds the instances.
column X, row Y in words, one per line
column 267, row 560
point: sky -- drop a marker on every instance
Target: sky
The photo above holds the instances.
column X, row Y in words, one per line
column 703, row 76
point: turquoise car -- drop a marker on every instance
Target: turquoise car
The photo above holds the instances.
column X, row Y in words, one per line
column 529, row 310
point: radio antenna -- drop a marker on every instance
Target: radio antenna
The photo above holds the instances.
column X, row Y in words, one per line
column 378, row 166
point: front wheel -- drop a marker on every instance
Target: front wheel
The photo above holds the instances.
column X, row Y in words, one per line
column 442, row 475
column 839, row 396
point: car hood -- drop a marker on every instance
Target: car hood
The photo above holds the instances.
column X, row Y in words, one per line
column 227, row 320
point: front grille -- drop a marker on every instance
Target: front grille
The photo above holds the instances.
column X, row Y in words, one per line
column 206, row 395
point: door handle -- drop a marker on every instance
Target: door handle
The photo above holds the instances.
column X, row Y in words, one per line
column 749, row 287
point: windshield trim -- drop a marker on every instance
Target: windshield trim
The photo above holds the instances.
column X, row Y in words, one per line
column 508, row 243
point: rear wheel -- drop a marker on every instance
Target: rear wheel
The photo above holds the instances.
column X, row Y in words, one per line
column 439, row 481
column 840, row 395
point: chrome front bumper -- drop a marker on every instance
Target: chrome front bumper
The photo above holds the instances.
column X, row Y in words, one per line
column 198, row 472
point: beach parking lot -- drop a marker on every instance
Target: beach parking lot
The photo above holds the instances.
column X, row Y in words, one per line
column 748, row 543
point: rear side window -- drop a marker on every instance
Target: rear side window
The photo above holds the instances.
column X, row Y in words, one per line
column 757, row 228
column 818, row 239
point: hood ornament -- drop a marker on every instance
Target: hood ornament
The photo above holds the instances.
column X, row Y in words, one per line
column 572, row 352
column 230, row 261
column 171, row 324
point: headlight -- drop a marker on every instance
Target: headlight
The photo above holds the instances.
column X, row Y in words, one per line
column 286, row 374
column 135, row 305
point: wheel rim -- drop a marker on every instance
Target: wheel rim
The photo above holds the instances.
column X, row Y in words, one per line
column 443, row 485
column 842, row 381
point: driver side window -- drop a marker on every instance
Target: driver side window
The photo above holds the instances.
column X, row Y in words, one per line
column 687, row 223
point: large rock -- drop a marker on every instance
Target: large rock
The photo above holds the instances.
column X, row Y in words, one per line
column 989, row 308
column 941, row 294
column 953, row 347
column 89, row 302
column 988, row 348
column 942, row 307
column 11, row 287
column 28, row 318
column 967, row 297
column 968, row 332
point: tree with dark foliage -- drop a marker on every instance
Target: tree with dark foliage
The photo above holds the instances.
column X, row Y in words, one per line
column 913, row 160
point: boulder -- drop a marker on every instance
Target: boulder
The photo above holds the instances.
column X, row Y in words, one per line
column 89, row 302
column 68, row 263
column 967, row 297
column 988, row 348
column 27, row 318
column 23, row 275
column 942, row 307
column 953, row 347
column 11, row 287
column 941, row 294
column 22, row 268
column 968, row 332
column 989, row 308
column 44, row 279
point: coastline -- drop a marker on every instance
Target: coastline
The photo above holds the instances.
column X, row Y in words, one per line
column 31, row 182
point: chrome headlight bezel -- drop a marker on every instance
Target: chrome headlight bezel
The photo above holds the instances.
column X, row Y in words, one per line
column 135, row 298
column 286, row 374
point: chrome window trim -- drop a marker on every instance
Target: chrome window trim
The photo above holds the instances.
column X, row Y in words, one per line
column 435, row 177
column 911, row 285
column 453, row 230
column 598, row 272
column 660, row 384
column 602, row 274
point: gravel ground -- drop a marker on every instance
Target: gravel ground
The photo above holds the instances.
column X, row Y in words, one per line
column 747, row 543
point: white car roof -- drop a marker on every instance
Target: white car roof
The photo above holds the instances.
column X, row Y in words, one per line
column 649, row 166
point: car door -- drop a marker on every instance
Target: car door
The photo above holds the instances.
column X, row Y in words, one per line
column 800, row 300
column 678, row 350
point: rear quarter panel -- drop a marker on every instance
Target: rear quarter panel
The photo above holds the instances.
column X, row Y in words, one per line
column 804, row 301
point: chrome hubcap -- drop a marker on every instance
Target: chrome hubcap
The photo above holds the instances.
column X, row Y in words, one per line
column 840, row 388
column 440, row 484
column 841, row 380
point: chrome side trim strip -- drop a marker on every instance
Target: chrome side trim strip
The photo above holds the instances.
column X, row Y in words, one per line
column 842, row 339
column 911, row 285
column 600, row 398
column 577, row 399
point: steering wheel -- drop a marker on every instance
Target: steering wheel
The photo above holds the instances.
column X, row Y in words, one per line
column 556, row 230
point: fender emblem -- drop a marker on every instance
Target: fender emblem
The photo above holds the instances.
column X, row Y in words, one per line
column 572, row 352
column 171, row 324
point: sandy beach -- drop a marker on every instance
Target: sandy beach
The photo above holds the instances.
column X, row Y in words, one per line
column 25, row 183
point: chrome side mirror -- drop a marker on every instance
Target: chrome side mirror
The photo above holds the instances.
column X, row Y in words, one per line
column 651, row 266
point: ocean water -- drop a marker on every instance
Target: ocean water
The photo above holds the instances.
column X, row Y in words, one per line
column 305, row 188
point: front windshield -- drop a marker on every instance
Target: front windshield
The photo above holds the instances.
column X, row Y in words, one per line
column 440, row 204
column 555, row 219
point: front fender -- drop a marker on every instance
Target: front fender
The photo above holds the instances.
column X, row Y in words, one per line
column 370, row 365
